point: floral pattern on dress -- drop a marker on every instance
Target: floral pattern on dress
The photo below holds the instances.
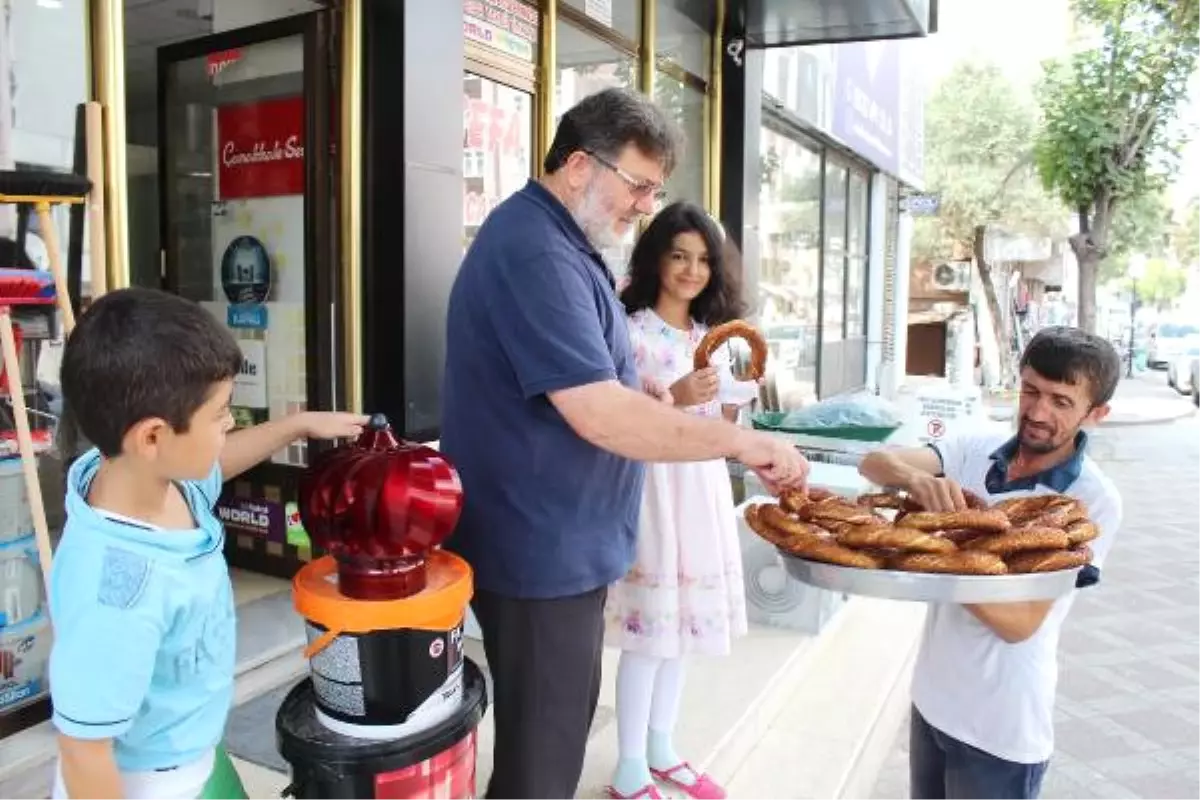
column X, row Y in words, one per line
column 685, row 592
column 663, row 352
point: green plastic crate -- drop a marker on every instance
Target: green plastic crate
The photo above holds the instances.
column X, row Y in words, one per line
column 772, row 421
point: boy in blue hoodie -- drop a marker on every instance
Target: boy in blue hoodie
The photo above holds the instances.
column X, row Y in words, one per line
column 141, row 673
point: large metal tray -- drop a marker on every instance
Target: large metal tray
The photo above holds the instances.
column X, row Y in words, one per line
column 931, row 588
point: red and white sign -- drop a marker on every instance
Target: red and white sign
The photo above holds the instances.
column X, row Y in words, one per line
column 510, row 26
column 220, row 60
column 936, row 428
column 489, row 127
column 260, row 149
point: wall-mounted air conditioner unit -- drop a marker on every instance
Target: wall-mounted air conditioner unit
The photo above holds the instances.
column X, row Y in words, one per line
column 953, row 276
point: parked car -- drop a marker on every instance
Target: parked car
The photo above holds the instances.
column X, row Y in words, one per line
column 1179, row 368
column 1169, row 341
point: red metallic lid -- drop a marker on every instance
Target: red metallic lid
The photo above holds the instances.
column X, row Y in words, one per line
column 379, row 506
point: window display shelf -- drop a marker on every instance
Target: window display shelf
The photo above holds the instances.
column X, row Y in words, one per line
column 24, row 616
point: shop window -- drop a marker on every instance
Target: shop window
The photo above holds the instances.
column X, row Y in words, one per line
column 623, row 16
column 497, row 147
column 833, row 284
column 856, row 257
column 236, row 239
column 683, row 35
column 812, row 269
column 43, row 79
column 685, row 104
column 843, row 294
column 789, row 265
column 586, row 65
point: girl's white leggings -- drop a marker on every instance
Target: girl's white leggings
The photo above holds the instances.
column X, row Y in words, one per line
column 648, row 692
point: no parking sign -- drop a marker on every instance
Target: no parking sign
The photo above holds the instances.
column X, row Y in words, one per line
column 934, row 410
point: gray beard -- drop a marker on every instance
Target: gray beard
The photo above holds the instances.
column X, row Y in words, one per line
column 594, row 220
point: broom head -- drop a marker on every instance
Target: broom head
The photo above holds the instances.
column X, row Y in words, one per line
column 26, row 287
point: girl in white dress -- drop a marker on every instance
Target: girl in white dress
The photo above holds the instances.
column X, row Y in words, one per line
column 684, row 593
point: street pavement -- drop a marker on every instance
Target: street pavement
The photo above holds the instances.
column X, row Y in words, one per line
column 1127, row 719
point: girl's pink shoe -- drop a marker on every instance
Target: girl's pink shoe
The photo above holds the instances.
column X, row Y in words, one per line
column 703, row 788
column 649, row 792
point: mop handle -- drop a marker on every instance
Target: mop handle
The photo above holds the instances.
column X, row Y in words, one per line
column 50, row 238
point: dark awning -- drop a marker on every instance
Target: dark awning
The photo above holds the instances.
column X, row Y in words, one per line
column 785, row 23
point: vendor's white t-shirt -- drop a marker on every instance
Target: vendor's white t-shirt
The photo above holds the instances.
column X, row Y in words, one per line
column 968, row 682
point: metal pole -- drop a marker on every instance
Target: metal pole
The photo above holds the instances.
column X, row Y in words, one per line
column 350, row 139
column 108, row 76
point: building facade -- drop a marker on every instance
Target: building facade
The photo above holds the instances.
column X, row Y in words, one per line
column 312, row 172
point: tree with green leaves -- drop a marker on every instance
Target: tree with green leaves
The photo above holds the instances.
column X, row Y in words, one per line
column 1110, row 132
column 978, row 130
column 1162, row 285
column 1185, row 234
column 1140, row 226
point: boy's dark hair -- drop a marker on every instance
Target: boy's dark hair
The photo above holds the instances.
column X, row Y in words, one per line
column 141, row 353
column 1070, row 355
column 604, row 123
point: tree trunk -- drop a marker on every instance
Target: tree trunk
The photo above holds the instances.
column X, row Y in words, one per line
column 1088, row 259
column 989, row 293
column 1090, row 246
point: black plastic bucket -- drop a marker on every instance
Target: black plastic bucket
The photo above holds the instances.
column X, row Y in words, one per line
column 435, row 763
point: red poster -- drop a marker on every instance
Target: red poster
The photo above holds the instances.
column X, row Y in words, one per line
column 261, row 149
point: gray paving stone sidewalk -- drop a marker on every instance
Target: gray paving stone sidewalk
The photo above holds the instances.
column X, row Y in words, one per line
column 1127, row 717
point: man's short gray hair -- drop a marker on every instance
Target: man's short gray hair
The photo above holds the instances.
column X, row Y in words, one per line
column 605, row 123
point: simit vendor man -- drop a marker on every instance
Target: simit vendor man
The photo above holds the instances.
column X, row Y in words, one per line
column 546, row 422
column 984, row 681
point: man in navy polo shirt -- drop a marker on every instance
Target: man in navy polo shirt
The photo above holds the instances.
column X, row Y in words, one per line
column 546, row 422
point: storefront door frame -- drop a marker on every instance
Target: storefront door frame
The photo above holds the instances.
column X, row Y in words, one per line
column 320, row 236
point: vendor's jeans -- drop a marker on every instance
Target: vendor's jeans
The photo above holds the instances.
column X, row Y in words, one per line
column 940, row 766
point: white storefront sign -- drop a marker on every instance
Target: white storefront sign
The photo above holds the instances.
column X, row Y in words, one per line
column 250, row 385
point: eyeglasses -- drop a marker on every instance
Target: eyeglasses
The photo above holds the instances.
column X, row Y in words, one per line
column 639, row 188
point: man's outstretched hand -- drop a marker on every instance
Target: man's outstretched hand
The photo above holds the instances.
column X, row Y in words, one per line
column 937, row 494
column 776, row 461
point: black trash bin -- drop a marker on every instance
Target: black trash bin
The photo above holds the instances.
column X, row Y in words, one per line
column 438, row 762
